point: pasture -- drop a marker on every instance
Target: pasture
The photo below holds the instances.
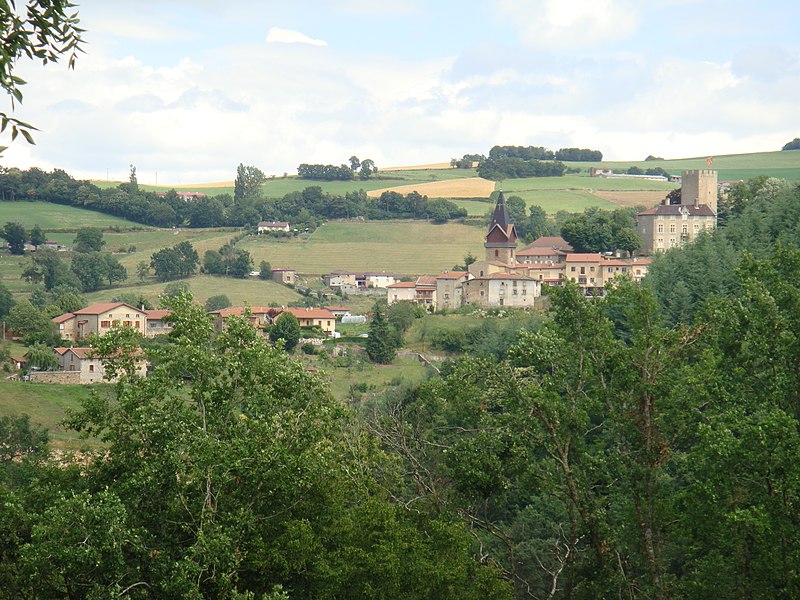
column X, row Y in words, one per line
column 406, row 247
column 57, row 216
column 251, row 291
column 782, row 164
column 48, row 405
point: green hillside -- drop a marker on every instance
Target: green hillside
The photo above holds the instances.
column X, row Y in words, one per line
column 407, row 247
column 57, row 216
column 782, row 164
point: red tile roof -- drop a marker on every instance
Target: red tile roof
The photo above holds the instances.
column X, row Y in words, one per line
column 157, row 315
column 101, row 307
column 310, row 313
column 63, row 318
column 453, row 275
column 403, row 284
column 537, row 251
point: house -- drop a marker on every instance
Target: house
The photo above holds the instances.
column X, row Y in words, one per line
column 584, row 268
column 502, row 289
column 259, row 316
column 340, row 278
column 80, row 365
column 401, row 291
column 449, row 288
column 100, row 318
column 272, row 226
column 156, row 323
column 531, row 255
column 338, row 311
column 671, row 225
column 314, row 317
column 284, row 275
column 380, row 280
column 421, row 291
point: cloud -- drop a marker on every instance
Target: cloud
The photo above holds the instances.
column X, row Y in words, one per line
column 575, row 24
column 276, row 35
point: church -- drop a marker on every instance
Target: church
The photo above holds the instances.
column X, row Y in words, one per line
column 498, row 280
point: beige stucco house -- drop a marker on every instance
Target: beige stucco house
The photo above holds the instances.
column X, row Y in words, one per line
column 100, row 318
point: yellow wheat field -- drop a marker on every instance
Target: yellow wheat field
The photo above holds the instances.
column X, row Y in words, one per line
column 469, row 187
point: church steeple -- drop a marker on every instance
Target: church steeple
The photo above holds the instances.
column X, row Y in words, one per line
column 500, row 216
column 501, row 239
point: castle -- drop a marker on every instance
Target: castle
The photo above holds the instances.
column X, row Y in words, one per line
column 672, row 225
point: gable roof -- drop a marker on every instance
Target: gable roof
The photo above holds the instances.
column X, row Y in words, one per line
column 556, row 242
column 157, row 315
column 63, row 318
column 310, row 313
column 403, row 284
column 453, row 275
column 101, row 307
column 540, row 251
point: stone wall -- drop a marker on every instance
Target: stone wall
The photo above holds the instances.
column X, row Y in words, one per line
column 55, row 376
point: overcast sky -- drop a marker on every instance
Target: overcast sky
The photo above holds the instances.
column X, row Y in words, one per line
column 188, row 89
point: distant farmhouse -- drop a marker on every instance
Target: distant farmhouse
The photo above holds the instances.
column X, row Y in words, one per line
column 272, row 226
column 101, row 317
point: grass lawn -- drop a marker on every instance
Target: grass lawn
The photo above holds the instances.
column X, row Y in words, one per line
column 56, row 216
column 405, row 247
column 47, row 405
column 251, row 291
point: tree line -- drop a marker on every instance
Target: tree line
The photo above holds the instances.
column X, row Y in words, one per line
column 542, row 153
column 306, row 208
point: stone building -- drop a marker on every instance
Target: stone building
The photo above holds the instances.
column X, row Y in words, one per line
column 671, row 225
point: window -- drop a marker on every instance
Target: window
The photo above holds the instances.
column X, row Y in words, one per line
column 660, row 228
column 514, row 292
column 660, row 242
column 481, row 293
column 127, row 316
column 672, row 228
column 91, row 368
column 685, row 229
column 591, row 269
column 126, row 323
column 105, row 324
column 572, row 269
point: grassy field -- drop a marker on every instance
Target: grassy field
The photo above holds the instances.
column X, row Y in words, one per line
column 148, row 242
column 56, row 216
column 406, row 247
column 251, row 291
column 377, row 378
column 781, row 164
column 47, row 405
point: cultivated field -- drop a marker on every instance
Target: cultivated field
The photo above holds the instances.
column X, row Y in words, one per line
column 631, row 198
column 406, row 247
column 470, row 187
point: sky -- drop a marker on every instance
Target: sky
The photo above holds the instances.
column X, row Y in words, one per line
column 186, row 90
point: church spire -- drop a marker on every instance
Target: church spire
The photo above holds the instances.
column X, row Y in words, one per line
column 500, row 216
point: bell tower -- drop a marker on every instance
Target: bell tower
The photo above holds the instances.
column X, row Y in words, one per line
column 501, row 239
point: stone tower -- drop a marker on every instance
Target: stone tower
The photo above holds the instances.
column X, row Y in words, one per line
column 501, row 239
column 699, row 187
